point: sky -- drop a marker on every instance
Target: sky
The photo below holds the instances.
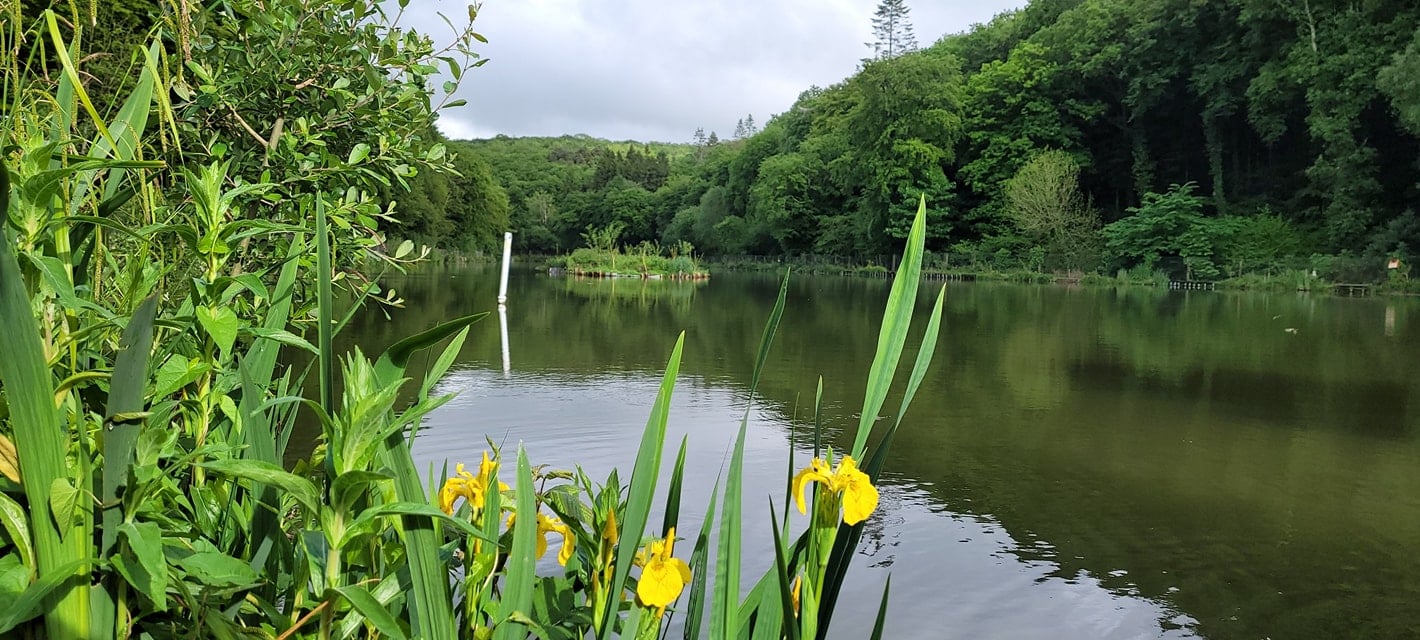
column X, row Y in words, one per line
column 656, row 70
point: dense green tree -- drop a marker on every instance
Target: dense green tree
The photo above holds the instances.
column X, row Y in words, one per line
column 782, row 198
column 904, row 131
column 1011, row 108
column 1157, row 228
column 1306, row 109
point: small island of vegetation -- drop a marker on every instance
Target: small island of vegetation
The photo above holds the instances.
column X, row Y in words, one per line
column 602, row 257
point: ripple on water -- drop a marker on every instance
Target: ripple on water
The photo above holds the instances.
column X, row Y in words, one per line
column 954, row 575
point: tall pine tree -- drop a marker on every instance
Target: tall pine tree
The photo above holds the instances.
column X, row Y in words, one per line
column 892, row 31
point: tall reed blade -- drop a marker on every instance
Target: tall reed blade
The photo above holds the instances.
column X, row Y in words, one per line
column 643, row 483
column 841, row 555
column 130, row 373
column 522, row 560
column 897, row 317
column 40, row 440
column 324, row 308
column 725, row 600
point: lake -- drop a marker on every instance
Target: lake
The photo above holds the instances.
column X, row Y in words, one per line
column 1079, row 463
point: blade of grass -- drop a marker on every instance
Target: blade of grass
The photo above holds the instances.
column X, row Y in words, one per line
column 673, row 494
column 521, row 568
column 781, row 569
column 848, row 537
column 392, row 363
column 373, row 610
column 130, row 376
column 256, row 370
column 897, row 317
column 324, row 308
column 41, row 442
column 72, row 74
column 725, row 603
column 882, row 612
column 699, row 559
column 643, row 484
column 442, row 364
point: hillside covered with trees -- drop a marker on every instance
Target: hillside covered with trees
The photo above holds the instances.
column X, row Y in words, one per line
column 1213, row 137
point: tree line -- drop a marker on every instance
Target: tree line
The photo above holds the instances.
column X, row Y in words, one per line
column 1212, row 138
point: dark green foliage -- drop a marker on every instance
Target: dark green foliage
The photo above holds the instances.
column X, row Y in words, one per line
column 1299, row 120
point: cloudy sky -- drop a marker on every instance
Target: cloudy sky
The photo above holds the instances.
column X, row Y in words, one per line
column 658, row 69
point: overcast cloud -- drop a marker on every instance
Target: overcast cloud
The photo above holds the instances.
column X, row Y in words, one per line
column 658, row 69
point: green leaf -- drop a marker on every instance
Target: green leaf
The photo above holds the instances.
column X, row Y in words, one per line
column 30, row 603
column 221, row 324
column 145, row 567
column 419, row 510
column 785, row 589
column 897, row 318
column 384, row 593
column 130, row 378
column 442, row 364
column 373, row 610
column 882, row 612
column 261, row 471
column 284, row 337
column 12, row 517
column 176, row 373
column 252, row 282
column 349, row 486
column 699, row 559
column 724, row 604
column 215, row 569
column 672, row 514
column 63, row 502
column 392, row 363
column 358, row 154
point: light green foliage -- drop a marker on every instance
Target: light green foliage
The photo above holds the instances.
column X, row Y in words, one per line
column 1400, row 80
column 1045, row 201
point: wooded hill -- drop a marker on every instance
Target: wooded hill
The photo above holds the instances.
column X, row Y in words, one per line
column 1291, row 128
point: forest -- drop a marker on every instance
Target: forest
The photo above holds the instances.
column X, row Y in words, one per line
column 1208, row 139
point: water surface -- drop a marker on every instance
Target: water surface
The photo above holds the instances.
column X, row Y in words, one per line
column 1078, row 463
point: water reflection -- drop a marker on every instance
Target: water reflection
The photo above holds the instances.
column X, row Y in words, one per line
column 953, row 575
column 1079, row 463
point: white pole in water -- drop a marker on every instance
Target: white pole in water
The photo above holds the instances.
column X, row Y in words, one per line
column 507, row 258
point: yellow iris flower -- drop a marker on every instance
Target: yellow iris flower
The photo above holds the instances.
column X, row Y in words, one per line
column 858, row 494
column 663, row 576
column 465, row 485
column 548, row 524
